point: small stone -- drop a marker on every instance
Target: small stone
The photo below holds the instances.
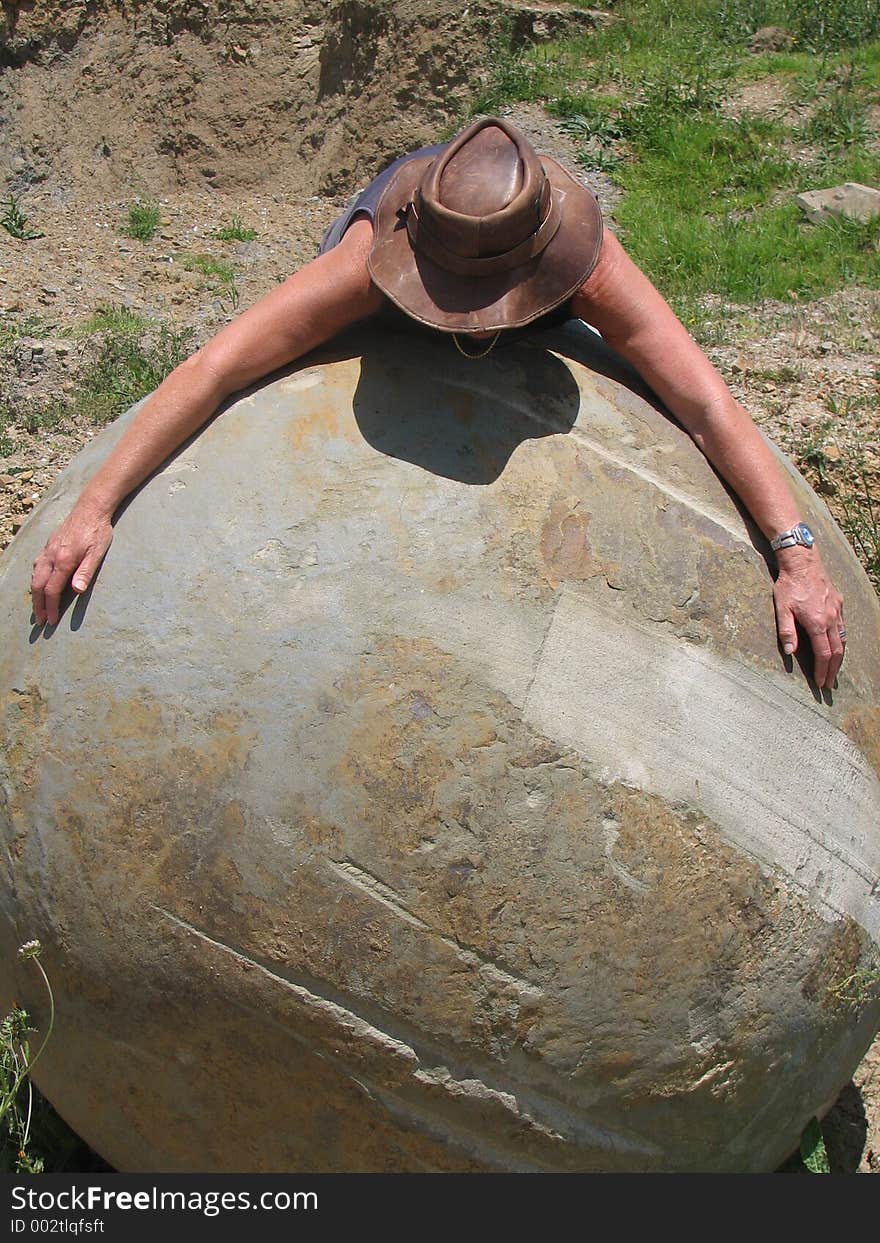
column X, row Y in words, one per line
column 17, row 523
column 770, row 39
column 852, row 199
column 826, row 347
column 832, row 453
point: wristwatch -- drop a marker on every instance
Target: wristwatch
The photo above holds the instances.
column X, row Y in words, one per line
column 800, row 534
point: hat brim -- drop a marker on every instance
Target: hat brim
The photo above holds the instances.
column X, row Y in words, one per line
column 451, row 303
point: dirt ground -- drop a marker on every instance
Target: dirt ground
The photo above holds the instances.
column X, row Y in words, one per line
column 77, row 152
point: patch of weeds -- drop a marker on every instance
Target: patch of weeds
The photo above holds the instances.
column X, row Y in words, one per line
column 862, row 988
column 31, row 326
column 15, row 222
column 7, row 444
column 217, row 269
column 825, row 25
column 516, row 77
column 143, row 220
column 814, row 455
column 236, row 231
column 126, row 369
column 113, row 319
column 16, row 1093
column 42, row 418
column 860, row 513
column 840, row 117
column 812, row 1149
column 778, row 375
column 33, row 419
column 594, row 128
column 221, row 277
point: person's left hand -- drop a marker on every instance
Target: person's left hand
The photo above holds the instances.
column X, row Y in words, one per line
column 804, row 593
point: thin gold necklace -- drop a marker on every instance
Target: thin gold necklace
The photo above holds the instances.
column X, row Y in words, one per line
column 483, row 353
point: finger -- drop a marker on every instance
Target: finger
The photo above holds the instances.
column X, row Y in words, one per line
column 39, row 578
column 786, row 628
column 837, row 637
column 85, row 572
column 58, row 580
column 838, row 645
column 822, row 655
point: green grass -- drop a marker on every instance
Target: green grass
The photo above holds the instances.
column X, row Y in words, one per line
column 16, row 1063
column 15, row 222
column 7, row 444
column 116, row 320
column 708, row 197
column 236, row 231
column 127, row 360
column 143, row 220
column 218, row 270
column 125, row 369
column 30, row 326
column 221, row 276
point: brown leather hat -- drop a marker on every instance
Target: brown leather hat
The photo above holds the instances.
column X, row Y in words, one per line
column 485, row 236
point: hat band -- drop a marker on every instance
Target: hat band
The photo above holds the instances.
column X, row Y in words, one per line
column 425, row 242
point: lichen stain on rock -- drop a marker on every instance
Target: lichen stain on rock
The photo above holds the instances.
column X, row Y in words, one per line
column 133, row 720
column 862, row 726
column 25, row 719
column 327, row 422
column 565, row 552
column 25, row 715
column 535, row 521
column 148, row 808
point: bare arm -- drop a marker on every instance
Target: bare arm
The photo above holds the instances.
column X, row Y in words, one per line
column 310, row 307
column 620, row 301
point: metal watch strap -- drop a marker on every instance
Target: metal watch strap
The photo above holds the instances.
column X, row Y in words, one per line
column 800, row 534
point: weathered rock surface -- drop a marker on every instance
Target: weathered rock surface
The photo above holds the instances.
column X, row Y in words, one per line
column 420, row 787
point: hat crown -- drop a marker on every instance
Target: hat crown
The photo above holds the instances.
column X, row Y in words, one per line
column 483, row 176
column 486, row 195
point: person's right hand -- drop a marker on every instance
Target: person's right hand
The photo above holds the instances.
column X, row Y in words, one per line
column 73, row 552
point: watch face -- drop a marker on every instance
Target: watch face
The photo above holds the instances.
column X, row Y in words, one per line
column 805, row 534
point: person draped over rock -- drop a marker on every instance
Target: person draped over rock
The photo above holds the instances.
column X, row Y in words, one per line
column 475, row 239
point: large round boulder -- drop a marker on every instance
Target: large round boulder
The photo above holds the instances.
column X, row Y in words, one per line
column 420, row 787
